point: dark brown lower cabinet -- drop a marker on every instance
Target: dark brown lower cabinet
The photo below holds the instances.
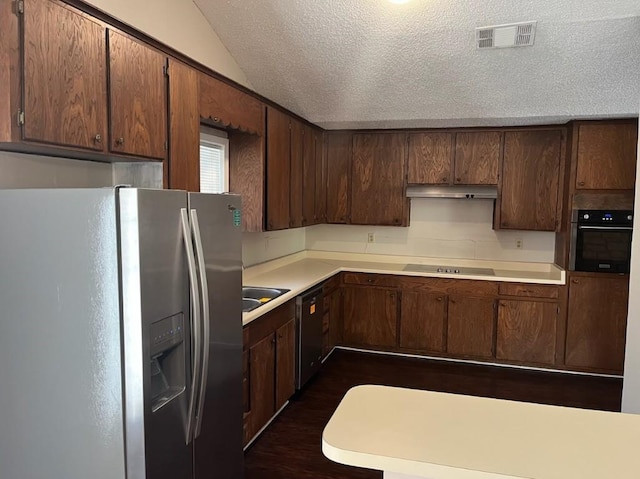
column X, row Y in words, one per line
column 597, row 321
column 269, row 367
column 471, row 326
column 422, row 321
column 331, row 319
column 285, row 362
column 527, row 331
column 370, row 316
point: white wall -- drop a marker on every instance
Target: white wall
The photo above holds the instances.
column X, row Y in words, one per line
column 180, row 25
column 631, row 386
column 31, row 171
column 260, row 247
column 446, row 228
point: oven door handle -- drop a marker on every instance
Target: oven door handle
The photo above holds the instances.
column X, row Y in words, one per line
column 605, row 228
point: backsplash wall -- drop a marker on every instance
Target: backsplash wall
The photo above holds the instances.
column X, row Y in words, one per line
column 443, row 228
column 260, row 247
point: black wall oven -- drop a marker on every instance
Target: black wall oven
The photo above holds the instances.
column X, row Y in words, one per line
column 601, row 240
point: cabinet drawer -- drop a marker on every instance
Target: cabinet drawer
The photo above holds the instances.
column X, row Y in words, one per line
column 371, row 279
column 529, row 290
column 449, row 285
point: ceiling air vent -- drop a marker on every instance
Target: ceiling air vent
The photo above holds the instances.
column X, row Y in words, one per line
column 506, row 36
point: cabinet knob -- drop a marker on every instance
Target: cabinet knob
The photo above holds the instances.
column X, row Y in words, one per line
column 458, row 180
column 273, row 341
column 97, row 138
column 370, row 280
column 216, row 119
column 575, row 281
column 120, row 141
column 580, row 183
column 439, row 298
column 396, row 221
column 445, row 180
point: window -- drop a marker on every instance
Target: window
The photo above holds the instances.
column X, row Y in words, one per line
column 214, row 161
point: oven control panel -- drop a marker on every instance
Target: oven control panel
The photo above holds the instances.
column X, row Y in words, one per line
column 605, row 217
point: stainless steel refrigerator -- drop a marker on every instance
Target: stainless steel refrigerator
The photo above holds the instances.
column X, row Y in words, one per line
column 120, row 334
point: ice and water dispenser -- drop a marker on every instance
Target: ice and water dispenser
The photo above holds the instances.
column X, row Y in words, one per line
column 167, row 355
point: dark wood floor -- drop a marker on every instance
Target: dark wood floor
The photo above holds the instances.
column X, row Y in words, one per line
column 290, row 448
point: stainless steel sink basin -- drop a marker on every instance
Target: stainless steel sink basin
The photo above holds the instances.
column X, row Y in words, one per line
column 254, row 297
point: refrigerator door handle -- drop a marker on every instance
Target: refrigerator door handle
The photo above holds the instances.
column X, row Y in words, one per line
column 195, row 323
column 204, row 289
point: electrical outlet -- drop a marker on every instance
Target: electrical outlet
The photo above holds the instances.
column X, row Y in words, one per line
column 371, row 238
column 519, row 243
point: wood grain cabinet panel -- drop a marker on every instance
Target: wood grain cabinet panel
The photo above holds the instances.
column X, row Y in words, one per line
column 430, row 158
column 296, row 168
column 65, row 81
column 285, row 362
column 370, row 316
column 477, row 156
column 596, row 322
column 321, row 178
column 261, row 383
column 422, row 321
column 527, row 331
column 471, row 326
column 246, row 177
column 338, row 170
column 606, row 157
column 278, row 169
column 226, row 106
column 138, row 103
column 378, row 179
column 530, row 179
column 308, row 177
column 184, row 125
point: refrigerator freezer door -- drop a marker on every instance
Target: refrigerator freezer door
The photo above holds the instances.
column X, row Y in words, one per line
column 156, row 333
column 218, row 448
column 61, row 414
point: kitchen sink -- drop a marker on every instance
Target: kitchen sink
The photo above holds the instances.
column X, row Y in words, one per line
column 253, row 297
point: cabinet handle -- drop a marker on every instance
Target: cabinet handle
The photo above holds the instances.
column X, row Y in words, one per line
column 575, row 281
column 120, row 141
column 97, row 138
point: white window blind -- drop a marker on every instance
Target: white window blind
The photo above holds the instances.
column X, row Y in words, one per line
column 213, row 163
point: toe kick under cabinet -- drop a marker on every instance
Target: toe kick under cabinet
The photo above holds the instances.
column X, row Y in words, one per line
column 516, row 323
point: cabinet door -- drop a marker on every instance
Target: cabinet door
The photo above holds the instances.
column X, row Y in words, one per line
column 321, row 177
column 138, row 106
column 430, row 158
column 278, row 169
column 422, row 320
column 65, row 86
column 377, row 184
column 477, row 157
column 285, row 362
column 370, row 317
column 527, row 331
column 295, row 185
column 530, row 180
column 184, row 125
column 596, row 322
column 333, row 308
column 308, row 177
column 261, row 383
column 339, row 153
column 607, row 156
column 471, row 326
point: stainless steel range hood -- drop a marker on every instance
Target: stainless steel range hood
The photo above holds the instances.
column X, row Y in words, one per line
column 457, row 191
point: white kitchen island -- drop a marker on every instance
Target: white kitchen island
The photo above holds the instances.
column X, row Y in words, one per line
column 421, row 434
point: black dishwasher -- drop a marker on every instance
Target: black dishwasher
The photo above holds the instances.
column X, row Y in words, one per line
column 308, row 335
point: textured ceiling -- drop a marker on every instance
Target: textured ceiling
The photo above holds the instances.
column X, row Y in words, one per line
column 373, row 64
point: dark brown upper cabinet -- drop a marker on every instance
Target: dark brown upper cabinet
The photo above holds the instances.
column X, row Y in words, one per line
column 308, row 177
column 529, row 193
column 477, row 157
column 606, row 156
column 138, row 98
column 430, row 158
column 321, row 177
column 338, row 170
column 184, row 125
column 378, row 179
column 278, row 166
column 225, row 106
column 296, row 162
column 65, row 80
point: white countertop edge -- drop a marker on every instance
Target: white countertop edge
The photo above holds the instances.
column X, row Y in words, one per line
column 404, row 466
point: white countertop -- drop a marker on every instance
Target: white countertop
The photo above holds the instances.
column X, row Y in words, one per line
column 451, row 436
column 298, row 272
